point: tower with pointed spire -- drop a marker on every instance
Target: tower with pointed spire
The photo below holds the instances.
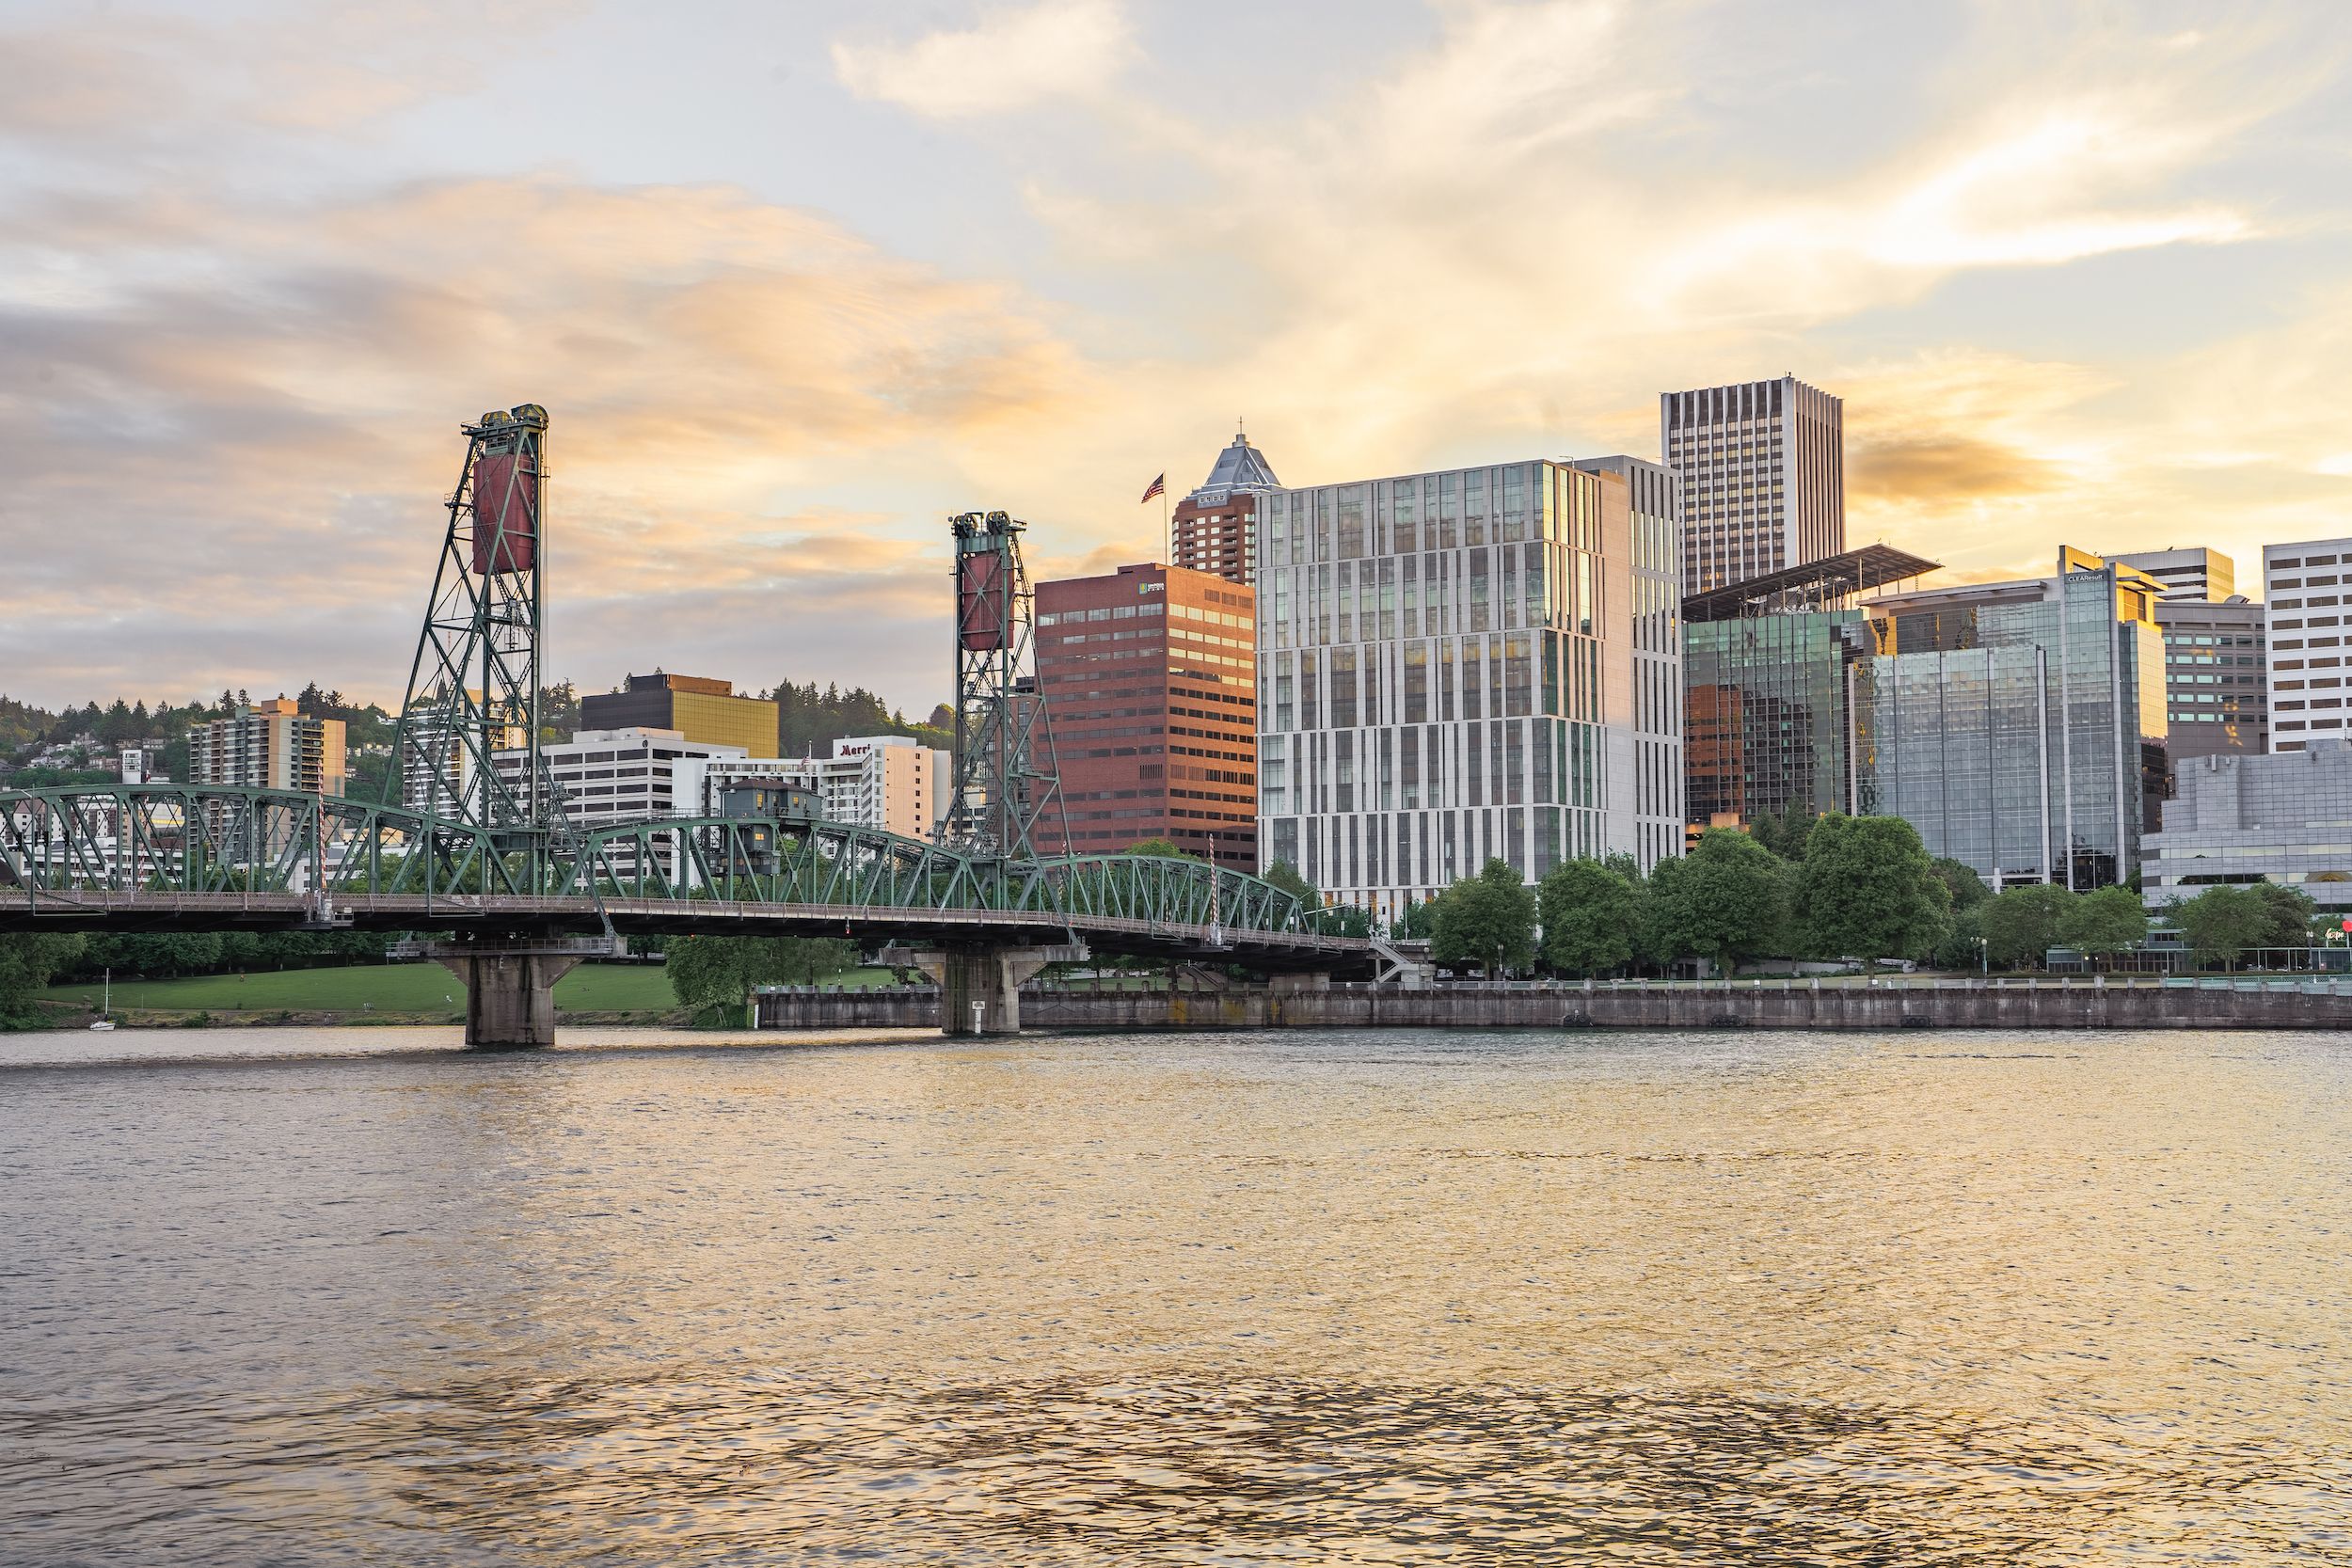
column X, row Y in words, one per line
column 1216, row 528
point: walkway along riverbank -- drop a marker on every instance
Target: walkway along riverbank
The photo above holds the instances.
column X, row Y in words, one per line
column 2092, row 1002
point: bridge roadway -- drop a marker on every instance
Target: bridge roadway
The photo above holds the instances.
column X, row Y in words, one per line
column 139, row 910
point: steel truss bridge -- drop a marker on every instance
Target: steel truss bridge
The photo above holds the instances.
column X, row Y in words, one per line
column 487, row 849
column 184, row 857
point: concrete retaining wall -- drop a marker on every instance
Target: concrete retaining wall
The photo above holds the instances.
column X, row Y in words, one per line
column 1950, row 1004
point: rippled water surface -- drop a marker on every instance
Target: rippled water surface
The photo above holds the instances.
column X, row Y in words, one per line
column 295, row 1296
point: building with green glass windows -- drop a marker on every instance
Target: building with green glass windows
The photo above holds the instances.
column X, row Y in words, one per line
column 2020, row 726
column 1767, row 677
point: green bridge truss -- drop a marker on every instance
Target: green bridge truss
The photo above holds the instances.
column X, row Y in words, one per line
column 176, row 838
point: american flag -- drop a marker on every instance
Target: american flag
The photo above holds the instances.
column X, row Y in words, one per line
column 1157, row 488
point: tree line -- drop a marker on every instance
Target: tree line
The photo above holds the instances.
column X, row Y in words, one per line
column 1831, row 888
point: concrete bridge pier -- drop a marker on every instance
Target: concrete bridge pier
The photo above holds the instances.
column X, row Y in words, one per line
column 509, row 984
column 979, row 985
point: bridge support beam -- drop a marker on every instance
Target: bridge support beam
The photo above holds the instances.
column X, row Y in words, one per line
column 979, row 987
column 509, row 984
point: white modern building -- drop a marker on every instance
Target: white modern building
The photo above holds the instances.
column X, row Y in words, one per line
column 1762, row 466
column 1475, row 663
column 604, row 778
column 2304, row 589
column 2277, row 818
column 891, row 781
column 2189, row 572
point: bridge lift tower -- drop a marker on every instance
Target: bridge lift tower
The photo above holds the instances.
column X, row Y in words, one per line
column 1006, row 774
column 474, row 691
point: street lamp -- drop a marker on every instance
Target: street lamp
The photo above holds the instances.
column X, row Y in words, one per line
column 1985, row 957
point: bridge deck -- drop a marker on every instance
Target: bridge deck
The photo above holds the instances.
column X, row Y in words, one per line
column 101, row 910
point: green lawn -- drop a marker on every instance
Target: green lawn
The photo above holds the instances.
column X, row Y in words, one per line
column 402, row 987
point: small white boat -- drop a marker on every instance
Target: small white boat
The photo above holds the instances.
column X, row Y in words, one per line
column 107, row 1005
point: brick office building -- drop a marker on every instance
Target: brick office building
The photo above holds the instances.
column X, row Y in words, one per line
column 1150, row 676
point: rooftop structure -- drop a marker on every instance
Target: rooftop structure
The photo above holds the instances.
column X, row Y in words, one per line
column 2190, row 572
column 1823, row 585
column 701, row 709
column 1215, row 527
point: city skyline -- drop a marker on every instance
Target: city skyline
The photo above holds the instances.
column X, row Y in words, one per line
column 856, row 270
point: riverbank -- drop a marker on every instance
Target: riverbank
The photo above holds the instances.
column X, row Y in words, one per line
column 369, row 994
column 1910, row 1003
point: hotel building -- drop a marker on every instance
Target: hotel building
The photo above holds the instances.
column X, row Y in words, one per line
column 1150, row 678
column 1454, row 666
column 1763, row 471
column 2304, row 585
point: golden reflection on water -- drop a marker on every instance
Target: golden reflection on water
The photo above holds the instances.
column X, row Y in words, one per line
column 1296, row 1297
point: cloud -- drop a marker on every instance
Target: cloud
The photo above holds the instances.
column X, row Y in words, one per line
column 200, row 451
column 1012, row 58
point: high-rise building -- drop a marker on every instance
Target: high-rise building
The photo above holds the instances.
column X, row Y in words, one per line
column 1763, row 471
column 1654, row 503
column 1769, row 679
column 1448, row 673
column 269, row 745
column 1214, row 529
column 703, row 710
column 1150, row 678
column 2216, row 690
column 2277, row 818
column 2020, row 726
column 2188, row 573
column 891, row 781
column 2304, row 585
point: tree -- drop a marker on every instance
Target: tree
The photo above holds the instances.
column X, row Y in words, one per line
column 1488, row 920
column 2222, row 922
column 1163, row 847
column 1728, row 901
column 1868, row 889
column 1589, row 917
column 1419, row 921
column 1787, row 834
column 718, row 973
column 1656, row 899
column 29, row 960
column 2103, row 924
column 1961, row 880
column 2024, row 924
column 1283, row 874
column 2290, row 914
column 1959, row 949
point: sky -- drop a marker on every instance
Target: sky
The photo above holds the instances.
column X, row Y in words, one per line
column 796, row 280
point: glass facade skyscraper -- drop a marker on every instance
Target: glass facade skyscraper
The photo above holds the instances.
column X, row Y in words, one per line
column 1767, row 686
column 2021, row 726
column 1766, row 717
column 1477, row 663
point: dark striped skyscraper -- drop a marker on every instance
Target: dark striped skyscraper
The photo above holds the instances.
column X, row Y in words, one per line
column 1763, row 471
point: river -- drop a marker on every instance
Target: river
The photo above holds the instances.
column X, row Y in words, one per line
column 353, row 1296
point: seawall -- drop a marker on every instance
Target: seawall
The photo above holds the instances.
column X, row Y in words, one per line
column 2075, row 1004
